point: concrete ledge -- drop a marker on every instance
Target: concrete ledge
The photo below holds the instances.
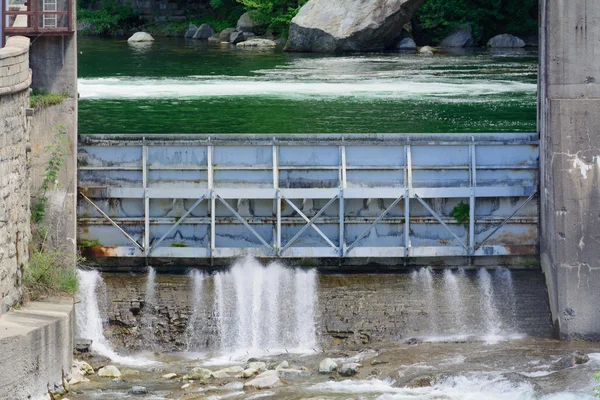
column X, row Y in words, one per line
column 36, row 345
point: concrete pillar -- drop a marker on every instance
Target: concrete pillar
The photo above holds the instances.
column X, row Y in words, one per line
column 569, row 123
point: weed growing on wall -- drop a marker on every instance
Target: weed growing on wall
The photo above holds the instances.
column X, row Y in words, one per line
column 39, row 98
column 461, row 212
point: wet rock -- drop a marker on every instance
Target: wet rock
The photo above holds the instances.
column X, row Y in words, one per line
column 138, row 390
column 506, row 41
column 349, row 25
column 257, row 42
column 577, row 358
column 327, row 366
column 77, row 378
column 291, row 373
column 461, row 37
column 266, row 380
column 407, row 44
column 426, row 51
column 237, row 37
column 83, row 345
column 349, row 369
column 249, row 372
column 226, row 34
column 204, row 32
column 191, row 31
column 171, row 375
column 422, row 381
column 82, row 367
column 282, row 365
column 378, row 362
column 257, row 365
column 199, row 374
column 140, row 37
column 413, row 341
column 110, row 371
column 185, row 386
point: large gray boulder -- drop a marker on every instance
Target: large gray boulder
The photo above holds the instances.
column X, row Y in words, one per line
column 204, row 32
column 140, row 37
column 461, row 37
column 247, row 24
column 328, row 26
column 226, row 34
column 506, row 41
column 191, row 31
column 237, row 37
column 407, row 44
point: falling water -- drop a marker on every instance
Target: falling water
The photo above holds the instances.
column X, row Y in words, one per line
column 150, row 297
column 425, row 279
column 490, row 318
column 453, row 298
column 89, row 316
column 509, row 294
column 265, row 308
column 193, row 339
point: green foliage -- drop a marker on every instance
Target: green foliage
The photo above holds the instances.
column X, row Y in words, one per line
column 275, row 15
column 88, row 242
column 107, row 20
column 178, row 245
column 461, row 212
column 39, row 98
column 438, row 18
column 49, row 273
column 596, row 389
column 58, row 150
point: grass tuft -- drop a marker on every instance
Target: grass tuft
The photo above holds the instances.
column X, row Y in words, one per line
column 43, row 99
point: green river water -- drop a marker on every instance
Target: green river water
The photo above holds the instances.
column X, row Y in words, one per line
column 176, row 85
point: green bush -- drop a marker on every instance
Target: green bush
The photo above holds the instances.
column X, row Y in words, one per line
column 438, row 18
column 39, row 98
column 107, row 20
column 461, row 212
column 49, row 273
column 596, row 389
column 276, row 15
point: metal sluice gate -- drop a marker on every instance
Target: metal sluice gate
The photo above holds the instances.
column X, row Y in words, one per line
column 351, row 199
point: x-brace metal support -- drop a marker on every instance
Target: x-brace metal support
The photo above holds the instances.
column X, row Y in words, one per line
column 506, row 220
column 132, row 240
column 246, row 224
column 310, row 223
column 440, row 221
column 188, row 212
column 366, row 231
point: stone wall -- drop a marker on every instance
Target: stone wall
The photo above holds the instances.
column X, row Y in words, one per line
column 569, row 124
column 15, row 78
column 352, row 308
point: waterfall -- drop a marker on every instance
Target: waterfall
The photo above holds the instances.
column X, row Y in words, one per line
column 453, row 298
column 265, row 308
column 150, row 296
column 192, row 336
column 509, row 294
column 490, row 318
column 89, row 316
column 425, row 279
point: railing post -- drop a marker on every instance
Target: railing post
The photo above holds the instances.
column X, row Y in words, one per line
column 211, row 193
column 342, row 186
column 146, row 200
column 407, row 194
column 277, row 197
column 473, row 184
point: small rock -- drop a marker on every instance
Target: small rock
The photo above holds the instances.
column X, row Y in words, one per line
column 191, row 31
column 249, row 372
column 349, row 369
column 130, row 372
column 257, row 365
column 407, row 44
column 506, row 41
column 138, row 390
column 200, row 374
column 187, row 385
column 422, row 381
column 141, row 37
column 226, row 34
column 220, row 375
column 378, row 362
column 83, row 345
column 257, row 42
column 327, row 366
column 461, row 37
column 110, row 371
column 426, row 51
column 291, row 373
column 237, row 37
column 284, row 364
column 574, row 359
column 170, row 376
column 77, row 378
column 205, row 31
column 412, row 341
column 266, row 380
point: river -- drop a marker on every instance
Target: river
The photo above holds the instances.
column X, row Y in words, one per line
column 185, row 86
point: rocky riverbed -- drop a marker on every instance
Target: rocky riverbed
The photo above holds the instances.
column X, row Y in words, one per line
column 524, row 369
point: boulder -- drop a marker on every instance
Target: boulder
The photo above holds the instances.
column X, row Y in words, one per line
column 349, row 369
column 205, row 31
column 506, row 41
column 191, row 31
column 407, row 44
column 266, row 380
column 82, row 367
column 461, row 37
column 257, row 42
column 140, row 37
column 228, row 372
column 226, row 34
column 282, row 365
column 247, row 24
column 237, row 37
column 77, row 378
column 327, row 366
column 171, row 375
column 257, row 365
column 199, row 374
column 291, row 373
column 348, row 25
column 138, row 390
column 572, row 360
column 249, row 372
column 421, row 381
column 110, row 371
column 426, row 51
